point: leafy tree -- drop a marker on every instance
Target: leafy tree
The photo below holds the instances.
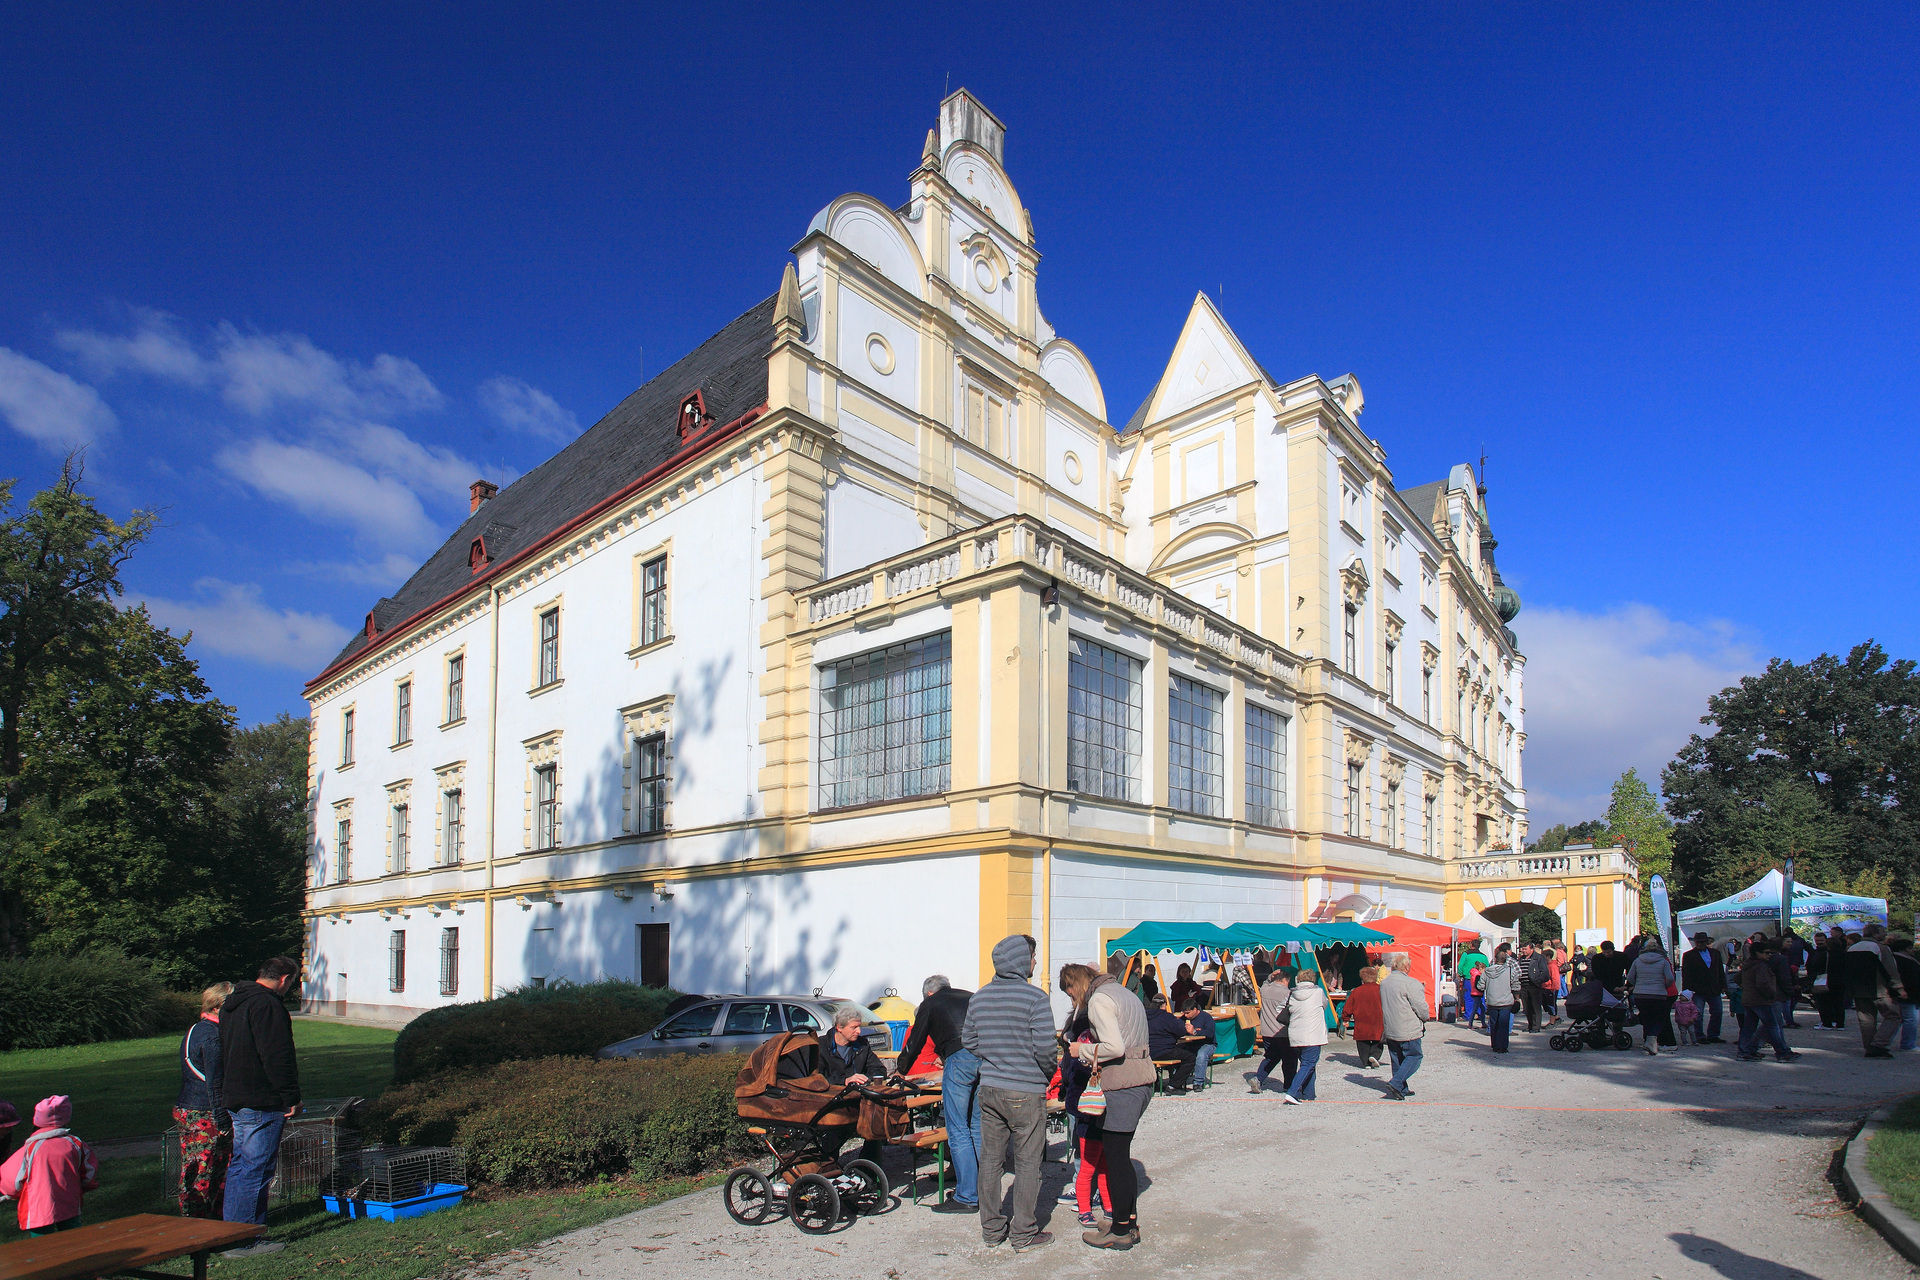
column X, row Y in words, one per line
column 1541, row 925
column 1560, row 835
column 59, row 573
column 263, row 805
column 1634, row 819
column 1820, row 759
column 120, row 839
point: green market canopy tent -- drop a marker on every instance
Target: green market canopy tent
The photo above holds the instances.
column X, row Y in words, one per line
column 1157, row 936
column 1757, row 909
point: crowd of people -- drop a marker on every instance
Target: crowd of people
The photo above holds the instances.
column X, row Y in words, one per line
column 239, row 1084
column 1002, row 1059
column 1761, row 979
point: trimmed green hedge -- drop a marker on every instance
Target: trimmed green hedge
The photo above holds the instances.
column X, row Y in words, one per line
column 50, row 1001
column 566, row 1019
column 556, row 1121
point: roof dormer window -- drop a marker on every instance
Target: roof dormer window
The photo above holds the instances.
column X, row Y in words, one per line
column 477, row 557
column 693, row 416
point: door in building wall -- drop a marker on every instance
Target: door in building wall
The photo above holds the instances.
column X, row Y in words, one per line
column 650, row 947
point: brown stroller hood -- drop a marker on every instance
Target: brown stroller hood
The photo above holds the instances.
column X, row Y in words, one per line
column 782, row 1083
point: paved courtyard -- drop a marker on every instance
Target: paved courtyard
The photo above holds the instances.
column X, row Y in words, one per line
column 1604, row 1164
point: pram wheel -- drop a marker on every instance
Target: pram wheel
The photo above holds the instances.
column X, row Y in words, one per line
column 1557, row 1042
column 748, row 1196
column 874, row 1192
column 1621, row 1040
column 813, row 1205
column 1573, row 1043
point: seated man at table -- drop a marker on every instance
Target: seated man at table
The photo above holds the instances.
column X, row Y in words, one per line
column 847, row 1058
column 1199, row 1022
column 1165, row 1044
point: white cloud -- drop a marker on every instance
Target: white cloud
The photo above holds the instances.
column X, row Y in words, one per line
column 257, row 372
column 48, row 407
column 521, row 407
column 1610, row 691
column 229, row 618
column 379, row 508
column 424, row 468
column 388, row 571
column 155, row 347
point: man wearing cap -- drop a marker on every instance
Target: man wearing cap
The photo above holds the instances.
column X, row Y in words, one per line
column 1704, row 973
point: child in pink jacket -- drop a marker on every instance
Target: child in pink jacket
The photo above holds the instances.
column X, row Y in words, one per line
column 50, row 1172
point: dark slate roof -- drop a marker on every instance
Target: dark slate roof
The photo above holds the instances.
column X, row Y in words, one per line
column 730, row 372
column 1140, row 415
column 1420, row 500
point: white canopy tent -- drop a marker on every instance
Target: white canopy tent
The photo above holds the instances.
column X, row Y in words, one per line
column 1756, row 909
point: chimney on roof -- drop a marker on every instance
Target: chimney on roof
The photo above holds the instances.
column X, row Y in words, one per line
column 963, row 119
column 478, row 492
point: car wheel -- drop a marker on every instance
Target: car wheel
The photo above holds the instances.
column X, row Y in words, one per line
column 748, row 1196
column 813, row 1205
column 874, row 1195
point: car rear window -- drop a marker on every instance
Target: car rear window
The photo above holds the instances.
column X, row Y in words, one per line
column 756, row 1019
column 691, row 1024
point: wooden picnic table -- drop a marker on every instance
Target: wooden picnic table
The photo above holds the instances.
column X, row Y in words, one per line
column 122, row 1247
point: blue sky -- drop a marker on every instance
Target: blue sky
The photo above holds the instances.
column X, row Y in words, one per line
column 297, row 276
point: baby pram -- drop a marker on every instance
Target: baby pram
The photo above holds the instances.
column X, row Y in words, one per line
column 804, row 1121
column 1596, row 1018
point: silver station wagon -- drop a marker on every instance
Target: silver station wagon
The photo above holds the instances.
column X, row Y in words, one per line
column 739, row 1024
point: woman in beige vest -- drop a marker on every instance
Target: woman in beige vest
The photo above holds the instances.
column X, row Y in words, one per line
column 1126, row 1076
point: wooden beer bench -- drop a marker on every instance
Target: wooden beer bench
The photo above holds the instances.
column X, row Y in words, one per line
column 122, row 1247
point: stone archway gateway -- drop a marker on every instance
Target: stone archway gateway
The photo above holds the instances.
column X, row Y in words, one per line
column 1595, row 891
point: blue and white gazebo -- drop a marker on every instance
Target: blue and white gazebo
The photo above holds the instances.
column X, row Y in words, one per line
column 1756, row 909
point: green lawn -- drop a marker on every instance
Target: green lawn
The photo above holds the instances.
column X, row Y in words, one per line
column 320, row 1242
column 1893, row 1157
column 126, row 1088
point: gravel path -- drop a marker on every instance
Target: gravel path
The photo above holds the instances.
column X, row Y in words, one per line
column 1603, row 1164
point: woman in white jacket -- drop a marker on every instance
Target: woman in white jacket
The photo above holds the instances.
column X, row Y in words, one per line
column 1306, row 1032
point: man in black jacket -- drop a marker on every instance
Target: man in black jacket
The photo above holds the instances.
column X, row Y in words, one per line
column 1703, row 972
column 1534, row 997
column 260, row 1087
column 1167, row 1042
column 941, row 1016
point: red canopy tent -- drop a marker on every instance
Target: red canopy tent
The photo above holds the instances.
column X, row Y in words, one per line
column 1422, row 940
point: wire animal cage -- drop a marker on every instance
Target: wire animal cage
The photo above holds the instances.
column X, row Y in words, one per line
column 312, row 1145
column 397, row 1182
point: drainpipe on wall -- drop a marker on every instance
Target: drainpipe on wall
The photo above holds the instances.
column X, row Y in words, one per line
column 493, row 739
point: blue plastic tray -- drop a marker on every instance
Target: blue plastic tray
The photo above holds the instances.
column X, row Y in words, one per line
column 439, row 1195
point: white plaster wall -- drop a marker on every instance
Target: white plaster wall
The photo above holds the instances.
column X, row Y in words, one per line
column 1093, row 893
column 852, row 930
column 864, row 526
column 861, row 318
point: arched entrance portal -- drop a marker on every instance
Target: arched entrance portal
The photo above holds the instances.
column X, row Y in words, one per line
column 1596, row 892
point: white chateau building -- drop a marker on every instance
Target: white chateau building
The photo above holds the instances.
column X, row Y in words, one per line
column 864, row 636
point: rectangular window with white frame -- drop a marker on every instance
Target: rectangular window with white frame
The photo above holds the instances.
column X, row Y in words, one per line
column 1431, row 831
column 548, row 670
column 654, row 625
column 886, row 723
column 456, row 688
column 1196, row 748
column 651, row 762
column 1387, row 676
column 342, row 850
column 450, row 962
column 1104, row 721
column 1393, row 814
column 1426, row 695
column 346, row 737
column 454, row 826
column 1354, row 778
column 1266, row 767
column 403, row 712
column 397, row 848
column 546, row 807
column 1350, row 635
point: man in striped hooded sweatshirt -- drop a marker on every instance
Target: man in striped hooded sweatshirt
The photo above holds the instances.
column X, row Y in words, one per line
column 1009, row 1028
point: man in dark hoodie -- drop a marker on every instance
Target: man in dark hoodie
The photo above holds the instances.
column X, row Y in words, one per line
column 943, row 1012
column 260, row 1088
column 1009, row 1027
